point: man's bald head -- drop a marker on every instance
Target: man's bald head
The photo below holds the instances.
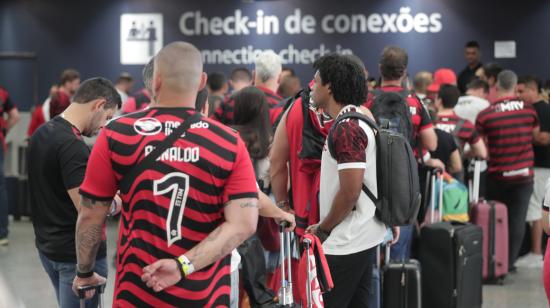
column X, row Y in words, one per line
column 178, row 69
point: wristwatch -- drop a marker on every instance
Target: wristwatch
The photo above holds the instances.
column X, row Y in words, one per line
column 185, row 265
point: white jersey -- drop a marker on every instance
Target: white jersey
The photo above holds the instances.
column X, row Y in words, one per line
column 360, row 230
column 468, row 107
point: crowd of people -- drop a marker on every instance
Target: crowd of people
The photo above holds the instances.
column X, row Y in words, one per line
column 200, row 169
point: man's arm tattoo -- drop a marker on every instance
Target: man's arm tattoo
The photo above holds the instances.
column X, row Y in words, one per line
column 87, row 202
column 87, row 241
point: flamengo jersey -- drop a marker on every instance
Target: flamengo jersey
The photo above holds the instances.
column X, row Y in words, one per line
column 224, row 113
column 508, row 125
column 172, row 206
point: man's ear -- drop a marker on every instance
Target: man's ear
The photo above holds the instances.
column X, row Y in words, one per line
column 98, row 104
column 202, row 83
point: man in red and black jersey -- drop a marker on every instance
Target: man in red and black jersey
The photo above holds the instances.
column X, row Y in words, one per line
column 448, row 121
column 61, row 99
column 6, row 106
column 508, row 126
column 205, row 180
column 266, row 78
column 393, row 69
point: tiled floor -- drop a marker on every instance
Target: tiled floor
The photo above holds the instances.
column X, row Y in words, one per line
column 23, row 273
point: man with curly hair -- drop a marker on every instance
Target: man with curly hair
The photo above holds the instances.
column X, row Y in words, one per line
column 348, row 227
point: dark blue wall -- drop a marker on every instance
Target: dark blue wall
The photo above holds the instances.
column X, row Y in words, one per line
column 86, row 34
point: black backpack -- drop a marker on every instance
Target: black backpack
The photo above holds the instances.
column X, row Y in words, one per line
column 391, row 111
column 312, row 140
column 398, row 199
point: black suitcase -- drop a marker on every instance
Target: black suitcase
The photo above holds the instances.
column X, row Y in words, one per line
column 401, row 283
column 452, row 263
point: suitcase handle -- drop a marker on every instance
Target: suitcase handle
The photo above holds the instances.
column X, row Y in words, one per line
column 100, row 288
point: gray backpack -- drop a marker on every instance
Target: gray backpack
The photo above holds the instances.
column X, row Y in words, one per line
column 398, row 199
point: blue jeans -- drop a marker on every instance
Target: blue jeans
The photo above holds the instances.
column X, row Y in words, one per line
column 62, row 275
column 401, row 251
column 3, row 199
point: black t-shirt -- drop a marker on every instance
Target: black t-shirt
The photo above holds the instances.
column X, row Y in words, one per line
column 466, row 76
column 542, row 153
column 57, row 159
column 446, row 145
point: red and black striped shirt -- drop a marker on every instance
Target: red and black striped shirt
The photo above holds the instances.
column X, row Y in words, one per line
column 224, row 113
column 508, row 126
column 467, row 133
column 205, row 169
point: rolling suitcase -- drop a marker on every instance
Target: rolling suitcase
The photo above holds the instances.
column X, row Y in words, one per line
column 285, row 294
column 492, row 217
column 100, row 289
column 452, row 260
column 401, row 283
column 375, row 292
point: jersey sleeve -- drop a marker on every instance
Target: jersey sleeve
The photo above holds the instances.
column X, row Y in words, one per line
column 241, row 183
column 73, row 157
column 350, row 143
column 100, row 182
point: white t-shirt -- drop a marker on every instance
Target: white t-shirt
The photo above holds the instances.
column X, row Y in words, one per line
column 468, row 107
column 355, row 148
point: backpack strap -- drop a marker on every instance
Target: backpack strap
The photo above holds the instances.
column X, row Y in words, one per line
column 330, row 143
column 129, row 178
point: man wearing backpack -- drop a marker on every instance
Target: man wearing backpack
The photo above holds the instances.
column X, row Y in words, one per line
column 416, row 124
column 348, row 227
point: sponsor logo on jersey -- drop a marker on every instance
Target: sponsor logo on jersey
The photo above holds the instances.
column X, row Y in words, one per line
column 148, row 126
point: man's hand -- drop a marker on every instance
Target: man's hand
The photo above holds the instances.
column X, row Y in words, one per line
column 162, row 274
column 289, row 217
column 312, row 229
column 396, row 232
column 435, row 163
column 95, row 280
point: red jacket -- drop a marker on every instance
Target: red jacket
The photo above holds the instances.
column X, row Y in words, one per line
column 320, row 280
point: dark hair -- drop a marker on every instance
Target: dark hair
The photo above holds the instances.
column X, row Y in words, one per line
column 393, row 62
column 124, row 77
column 216, row 81
column 251, row 119
column 290, row 70
column 449, row 95
column 531, row 80
column 202, row 98
column 477, row 83
column 68, row 75
column 345, row 77
column 492, row 70
column 96, row 88
column 241, row 73
column 472, row 44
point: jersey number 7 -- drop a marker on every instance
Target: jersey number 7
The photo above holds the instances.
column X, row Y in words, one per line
column 175, row 186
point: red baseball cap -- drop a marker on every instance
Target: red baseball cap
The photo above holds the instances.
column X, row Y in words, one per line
column 442, row 76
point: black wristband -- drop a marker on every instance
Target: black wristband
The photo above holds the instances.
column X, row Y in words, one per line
column 322, row 234
column 84, row 275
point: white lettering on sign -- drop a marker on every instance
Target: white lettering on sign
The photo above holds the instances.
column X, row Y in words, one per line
column 195, row 23
column 177, row 154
